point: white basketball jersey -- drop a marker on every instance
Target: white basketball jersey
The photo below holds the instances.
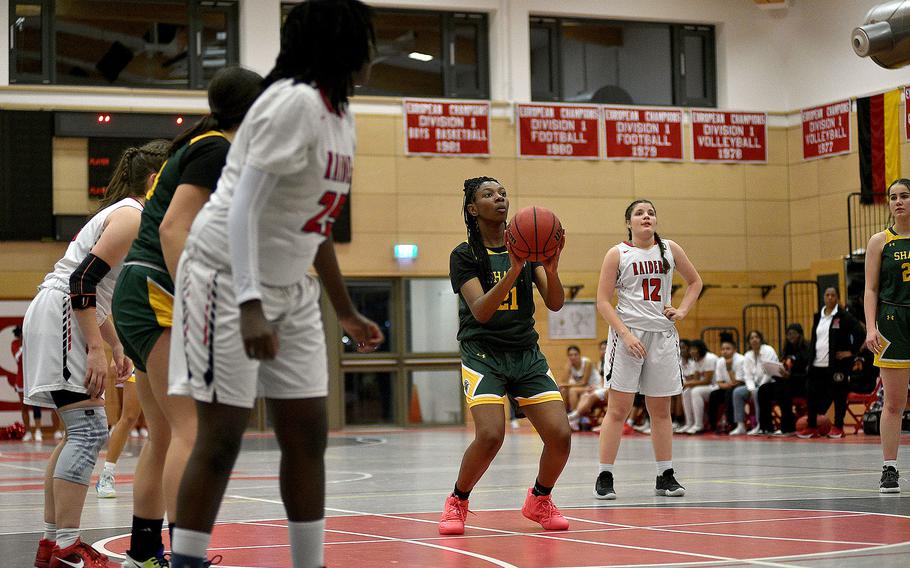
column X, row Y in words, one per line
column 644, row 287
column 79, row 248
column 292, row 133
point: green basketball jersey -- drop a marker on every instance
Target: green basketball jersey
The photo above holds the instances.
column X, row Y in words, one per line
column 894, row 279
column 512, row 326
column 147, row 246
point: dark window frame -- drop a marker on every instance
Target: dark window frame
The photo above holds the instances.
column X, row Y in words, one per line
column 448, row 21
column 194, row 10
column 678, row 34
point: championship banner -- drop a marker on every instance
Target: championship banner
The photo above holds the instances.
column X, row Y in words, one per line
column 643, row 133
column 558, row 131
column 446, row 128
column 907, row 112
column 826, row 130
column 738, row 137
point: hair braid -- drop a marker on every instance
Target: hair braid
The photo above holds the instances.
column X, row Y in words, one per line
column 475, row 239
column 128, row 179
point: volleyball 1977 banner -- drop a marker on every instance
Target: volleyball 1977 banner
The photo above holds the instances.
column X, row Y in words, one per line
column 558, row 131
column 826, row 130
column 643, row 133
column 719, row 136
column 447, row 128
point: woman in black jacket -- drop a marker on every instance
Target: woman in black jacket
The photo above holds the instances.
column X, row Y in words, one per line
column 836, row 339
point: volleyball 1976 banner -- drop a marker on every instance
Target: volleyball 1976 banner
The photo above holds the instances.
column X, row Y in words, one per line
column 447, row 128
column 643, row 133
column 558, row 131
column 719, row 136
column 826, row 130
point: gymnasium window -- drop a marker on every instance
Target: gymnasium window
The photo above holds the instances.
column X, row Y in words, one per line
column 176, row 44
column 428, row 54
column 610, row 62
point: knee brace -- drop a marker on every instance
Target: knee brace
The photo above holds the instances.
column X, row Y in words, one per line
column 86, row 433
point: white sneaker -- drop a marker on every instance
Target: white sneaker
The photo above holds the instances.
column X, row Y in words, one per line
column 681, row 428
column 134, row 433
column 757, row 431
column 144, row 433
column 695, row 430
column 58, row 434
column 739, row 430
column 515, row 426
column 105, row 486
column 646, row 425
column 646, row 430
column 38, row 436
column 28, row 437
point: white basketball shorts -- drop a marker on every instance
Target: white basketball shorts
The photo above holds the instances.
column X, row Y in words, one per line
column 53, row 348
column 658, row 374
column 207, row 359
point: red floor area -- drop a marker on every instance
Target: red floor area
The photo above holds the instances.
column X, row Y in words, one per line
column 597, row 537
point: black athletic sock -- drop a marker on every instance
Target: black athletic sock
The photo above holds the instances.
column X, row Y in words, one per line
column 540, row 490
column 145, row 539
column 461, row 494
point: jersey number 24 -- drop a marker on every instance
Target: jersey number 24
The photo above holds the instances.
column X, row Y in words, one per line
column 331, row 208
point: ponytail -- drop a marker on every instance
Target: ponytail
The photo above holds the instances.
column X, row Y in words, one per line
column 475, row 239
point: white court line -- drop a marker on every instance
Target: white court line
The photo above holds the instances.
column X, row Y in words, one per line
column 40, row 470
column 728, row 535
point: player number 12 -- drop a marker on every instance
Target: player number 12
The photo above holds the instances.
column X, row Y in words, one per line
column 650, row 289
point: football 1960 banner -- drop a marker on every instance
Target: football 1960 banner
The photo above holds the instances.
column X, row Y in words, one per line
column 447, row 128
column 558, row 131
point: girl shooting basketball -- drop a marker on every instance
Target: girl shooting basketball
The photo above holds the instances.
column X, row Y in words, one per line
column 643, row 353
column 499, row 353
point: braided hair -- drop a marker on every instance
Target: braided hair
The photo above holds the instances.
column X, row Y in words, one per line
column 475, row 239
column 132, row 170
column 657, row 239
column 325, row 42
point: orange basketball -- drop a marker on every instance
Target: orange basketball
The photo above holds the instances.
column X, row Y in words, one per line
column 534, row 234
column 824, row 425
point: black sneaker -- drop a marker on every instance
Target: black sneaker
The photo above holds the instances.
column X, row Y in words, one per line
column 667, row 486
column 889, row 482
column 603, row 488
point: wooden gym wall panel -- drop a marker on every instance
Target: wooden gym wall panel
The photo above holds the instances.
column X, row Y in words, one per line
column 71, row 177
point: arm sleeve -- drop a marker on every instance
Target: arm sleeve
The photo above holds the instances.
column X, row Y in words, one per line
column 462, row 268
column 250, row 196
column 203, row 161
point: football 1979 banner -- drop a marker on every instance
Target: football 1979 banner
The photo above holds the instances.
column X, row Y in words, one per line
column 719, row 136
column 447, row 128
column 643, row 133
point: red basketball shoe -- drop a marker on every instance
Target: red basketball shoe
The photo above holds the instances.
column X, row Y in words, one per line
column 45, row 550
column 78, row 555
column 540, row 509
column 453, row 515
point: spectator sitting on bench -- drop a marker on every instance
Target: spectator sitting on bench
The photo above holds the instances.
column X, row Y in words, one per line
column 729, row 376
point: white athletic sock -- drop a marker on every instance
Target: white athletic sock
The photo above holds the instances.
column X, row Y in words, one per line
column 66, row 537
column 307, row 543
column 606, row 467
column 664, row 466
column 892, row 463
column 108, row 466
column 190, row 543
column 50, row 531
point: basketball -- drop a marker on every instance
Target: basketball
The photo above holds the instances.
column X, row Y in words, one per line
column 824, row 425
column 534, row 234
